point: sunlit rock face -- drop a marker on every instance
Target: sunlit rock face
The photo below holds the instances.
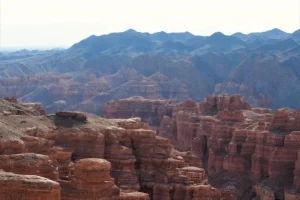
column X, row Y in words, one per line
column 236, row 143
column 28, row 187
column 75, row 156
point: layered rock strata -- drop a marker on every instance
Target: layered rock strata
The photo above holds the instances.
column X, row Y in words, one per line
column 27, row 187
column 238, row 143
column 93, row 158
column 149, row 110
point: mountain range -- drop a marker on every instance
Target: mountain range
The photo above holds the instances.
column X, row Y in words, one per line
column 262, row 66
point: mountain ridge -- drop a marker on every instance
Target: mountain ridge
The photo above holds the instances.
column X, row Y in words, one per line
column 175, row 66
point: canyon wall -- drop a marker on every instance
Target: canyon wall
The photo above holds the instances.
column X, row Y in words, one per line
column 76, row 156
column 251, row 151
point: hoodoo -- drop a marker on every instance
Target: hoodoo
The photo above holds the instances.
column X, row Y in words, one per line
column 249, row 151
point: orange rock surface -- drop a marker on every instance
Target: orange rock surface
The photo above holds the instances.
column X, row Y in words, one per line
column 92, row 158
column 237, row 143
column 27, row 187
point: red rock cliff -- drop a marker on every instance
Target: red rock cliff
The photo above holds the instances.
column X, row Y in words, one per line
column 92, row 158
column 237, row 144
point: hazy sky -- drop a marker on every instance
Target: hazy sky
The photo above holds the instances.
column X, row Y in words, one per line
column 27, row 23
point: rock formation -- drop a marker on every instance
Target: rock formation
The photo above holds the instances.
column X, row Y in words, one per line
column 75, row 156
column 151, row 111
column 27, row 187
column 29, row 164
column 91, row 180
column 223, row 149
column 236, row 144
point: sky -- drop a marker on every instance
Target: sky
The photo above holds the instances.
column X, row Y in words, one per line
column 61, row 23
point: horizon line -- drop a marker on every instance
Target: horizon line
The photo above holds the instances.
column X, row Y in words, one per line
column 47, row 47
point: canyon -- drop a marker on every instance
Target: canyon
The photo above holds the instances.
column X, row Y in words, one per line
column 261, row 66
column 143, row 149
column 76, row 156
column 253, row 152
column 172, row 126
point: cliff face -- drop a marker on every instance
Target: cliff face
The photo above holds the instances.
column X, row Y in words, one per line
column 74, row 156
column 151, row 111
column 27, row 187
column 251, row 151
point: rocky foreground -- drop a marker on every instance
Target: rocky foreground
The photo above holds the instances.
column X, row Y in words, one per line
column 76, row 156
column 252, row 152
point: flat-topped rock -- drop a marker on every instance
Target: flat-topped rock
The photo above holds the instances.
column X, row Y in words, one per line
column 93, row 164
column 27, row 187
column 133, row 196
column 74, row 115
column 40, row 165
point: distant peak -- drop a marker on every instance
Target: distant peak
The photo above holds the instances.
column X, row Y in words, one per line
column 297, row 31
column 160, row 32
column 217, row 34
column 131, row 31
column 185, row 33
column 238, row 33
column 276, row 30
column 188, row 33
